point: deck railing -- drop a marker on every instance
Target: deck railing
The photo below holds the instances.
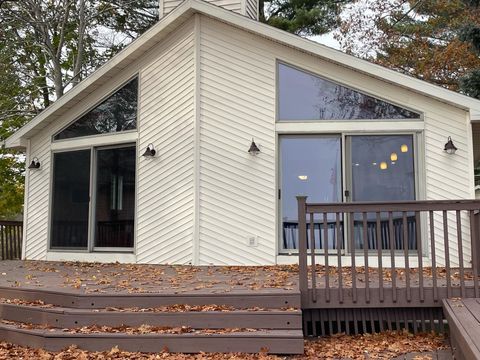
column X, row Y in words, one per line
column 11, row 233
column 381, row 254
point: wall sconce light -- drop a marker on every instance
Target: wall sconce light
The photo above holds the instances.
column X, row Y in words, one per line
column 393, row 156
column 35, row 164
column 404, row 148
column 149, row 151
column 383, row 165
column 450, row 148
column 254, row 150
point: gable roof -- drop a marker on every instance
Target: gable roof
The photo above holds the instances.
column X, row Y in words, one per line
column 184, row 11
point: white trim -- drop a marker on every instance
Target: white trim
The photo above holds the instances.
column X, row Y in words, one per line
column 95, row 105
column 348, row 126
column 299, row 68
column 148, row 39
column 161, row 6
column 471, row 160
column 359, row 260
column 91, row 257
column 196, row 145
column 243, row 7
column 97, row 140
column 26, row 194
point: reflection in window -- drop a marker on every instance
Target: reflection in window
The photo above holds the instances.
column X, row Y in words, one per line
column 71, row 199
column 304, row 96
column 115, row 197
column 116, row 113
column 383, row 170
column 311, row 166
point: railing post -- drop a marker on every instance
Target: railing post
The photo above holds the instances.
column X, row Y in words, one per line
column 302, row 248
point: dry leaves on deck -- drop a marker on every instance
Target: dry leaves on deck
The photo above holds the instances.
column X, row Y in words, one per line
column 387, row 345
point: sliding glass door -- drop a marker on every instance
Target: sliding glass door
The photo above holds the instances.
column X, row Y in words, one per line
column 70, row 200
column 382, row 168
column 310, row 166
column 115, row 197
column 93, row 209
column 377, row 168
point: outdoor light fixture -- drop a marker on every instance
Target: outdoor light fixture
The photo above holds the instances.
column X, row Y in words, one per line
column 393, row 157
column 149, row 151
column 404, row 148
column 303, row 177
column 35, row 164
column 450, row 148
column 254, row 150
column 383, row 165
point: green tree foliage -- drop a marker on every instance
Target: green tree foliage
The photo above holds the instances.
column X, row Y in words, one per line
column 48, row 46
column 15, row 109
column 303, row 17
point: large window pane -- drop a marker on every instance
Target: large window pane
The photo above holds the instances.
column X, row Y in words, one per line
column 311, row 166
column 115, row 197
column 116, row 113
column 71, row 184
column 383, row 170
column 304, row 96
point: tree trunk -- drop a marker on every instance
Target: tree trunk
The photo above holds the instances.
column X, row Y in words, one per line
column 77, row 76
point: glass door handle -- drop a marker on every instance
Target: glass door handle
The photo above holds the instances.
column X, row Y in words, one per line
column 347, row 193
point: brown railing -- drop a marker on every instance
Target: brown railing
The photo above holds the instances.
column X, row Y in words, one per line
column 11, row 233
column 383, row 254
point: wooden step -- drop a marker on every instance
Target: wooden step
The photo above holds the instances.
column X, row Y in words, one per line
column 271, row 341
column 249, row 322
column 463, row 316
column 274, row 299
column 68, row 317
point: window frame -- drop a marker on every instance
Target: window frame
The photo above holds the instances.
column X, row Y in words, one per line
column 279, row 62
column 92, row 203
column 97, row 103
column 419, row 177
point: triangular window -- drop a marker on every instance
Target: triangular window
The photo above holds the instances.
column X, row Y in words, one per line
column 304, row 96
column 116, row 113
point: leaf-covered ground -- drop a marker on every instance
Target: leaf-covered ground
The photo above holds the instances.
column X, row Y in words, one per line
column 386, row 345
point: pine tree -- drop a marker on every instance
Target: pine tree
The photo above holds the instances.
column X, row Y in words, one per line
column 470, row 83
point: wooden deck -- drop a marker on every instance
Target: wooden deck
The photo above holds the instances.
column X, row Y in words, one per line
column 150, row 308
column 463, row 316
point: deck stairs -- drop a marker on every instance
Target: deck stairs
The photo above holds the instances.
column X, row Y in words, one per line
column 463, row 316
column 188, row 323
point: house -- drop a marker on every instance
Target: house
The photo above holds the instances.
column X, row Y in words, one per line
column 190, row 145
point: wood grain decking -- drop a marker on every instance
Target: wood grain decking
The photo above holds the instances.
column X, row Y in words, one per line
column 463, row 316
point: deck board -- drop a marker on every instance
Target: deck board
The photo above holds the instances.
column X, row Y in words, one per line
column 463, row 317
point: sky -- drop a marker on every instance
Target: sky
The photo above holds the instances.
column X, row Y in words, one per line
column 326, row 39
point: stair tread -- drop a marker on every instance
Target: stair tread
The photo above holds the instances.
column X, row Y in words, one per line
column 289, row 333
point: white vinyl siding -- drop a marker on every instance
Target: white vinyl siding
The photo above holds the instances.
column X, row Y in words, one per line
column 251, row 9
column 238, row 79
column 165, row 182
column 237, row 190
column 244, row 7
column 203, row 195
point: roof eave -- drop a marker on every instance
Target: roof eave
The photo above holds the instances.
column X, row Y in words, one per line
column 191, row 6
column 17, row 139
